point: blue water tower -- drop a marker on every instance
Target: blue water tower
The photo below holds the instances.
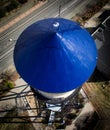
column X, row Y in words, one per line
column 55, row 56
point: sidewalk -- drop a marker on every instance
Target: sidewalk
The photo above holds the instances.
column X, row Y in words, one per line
column 19, row 14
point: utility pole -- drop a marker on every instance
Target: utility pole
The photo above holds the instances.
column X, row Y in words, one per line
column 59, row 10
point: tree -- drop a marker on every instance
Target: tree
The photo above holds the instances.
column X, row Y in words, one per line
column 13, row 5
column 2, row 12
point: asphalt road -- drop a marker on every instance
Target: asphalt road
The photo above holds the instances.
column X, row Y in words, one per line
column 50, row 9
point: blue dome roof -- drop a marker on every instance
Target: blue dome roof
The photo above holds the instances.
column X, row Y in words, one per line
column 55, row 55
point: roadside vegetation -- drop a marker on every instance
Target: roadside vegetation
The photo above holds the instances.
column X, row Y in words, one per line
column 5, row 86
column 90, row 11
column 7, row 6
column 7, row 81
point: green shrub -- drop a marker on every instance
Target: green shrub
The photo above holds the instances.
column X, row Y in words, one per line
column 9, row 85
column 6, row 86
